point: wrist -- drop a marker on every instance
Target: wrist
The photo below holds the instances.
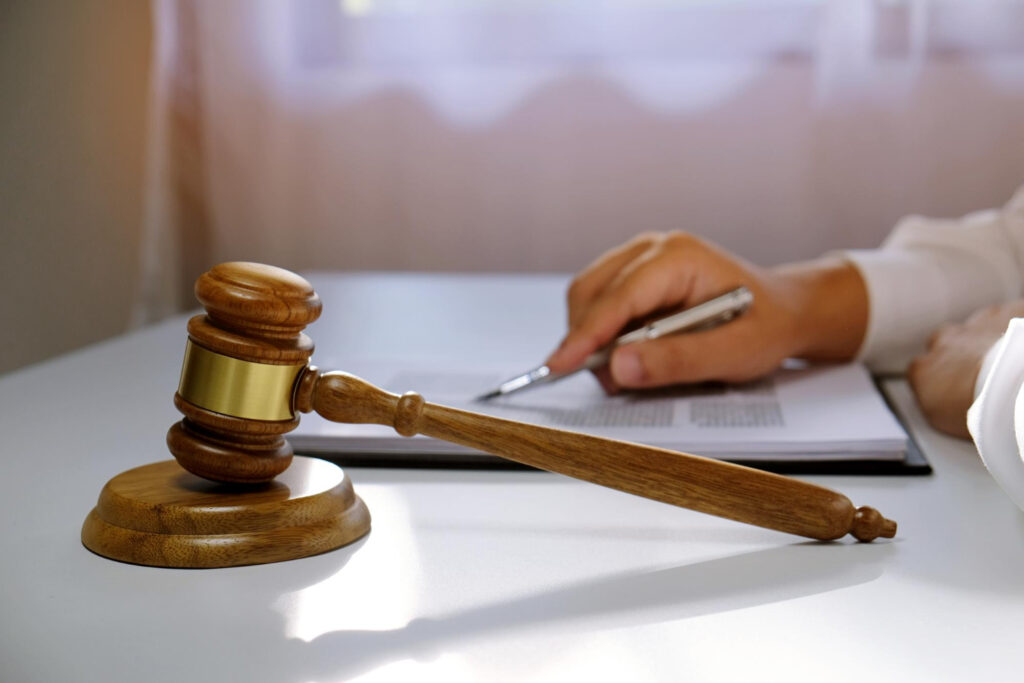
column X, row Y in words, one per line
column 829, row 304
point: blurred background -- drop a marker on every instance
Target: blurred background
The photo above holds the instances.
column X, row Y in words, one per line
column 141, row 143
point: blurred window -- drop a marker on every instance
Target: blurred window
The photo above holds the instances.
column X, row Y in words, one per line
column 420, row 33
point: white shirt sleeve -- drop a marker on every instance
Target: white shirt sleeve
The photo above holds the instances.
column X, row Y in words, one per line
column 929, row 272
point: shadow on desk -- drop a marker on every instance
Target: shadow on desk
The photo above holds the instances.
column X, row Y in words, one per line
column 621, row 599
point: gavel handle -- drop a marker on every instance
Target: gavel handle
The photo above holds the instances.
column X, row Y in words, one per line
column 690, row 481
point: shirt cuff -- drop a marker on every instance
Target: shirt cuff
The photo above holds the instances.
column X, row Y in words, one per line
column 900, row 320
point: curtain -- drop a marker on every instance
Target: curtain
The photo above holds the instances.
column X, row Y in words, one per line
column 368, row 134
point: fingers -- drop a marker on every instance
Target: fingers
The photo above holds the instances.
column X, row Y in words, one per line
column 593, row 279
column 942, row 336
column 642, row 286
column 728, row 353
column 588, row 286
column 995, row 317
column 943, row 385
column 603, row 375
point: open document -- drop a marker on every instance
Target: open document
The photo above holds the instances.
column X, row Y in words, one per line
column 799, row 414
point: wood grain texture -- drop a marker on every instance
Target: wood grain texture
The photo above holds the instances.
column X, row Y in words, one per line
column 255, row 313
column 711, row 486
column 161, row 515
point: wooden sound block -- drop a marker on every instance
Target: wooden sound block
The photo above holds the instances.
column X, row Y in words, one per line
column 162, row 516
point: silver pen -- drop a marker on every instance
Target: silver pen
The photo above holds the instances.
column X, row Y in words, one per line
column 712, row 312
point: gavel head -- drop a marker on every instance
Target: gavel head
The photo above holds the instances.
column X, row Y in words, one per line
column 243, row 361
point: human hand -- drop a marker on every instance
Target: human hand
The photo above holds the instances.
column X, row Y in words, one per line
column 943, row 378
column 815, row 310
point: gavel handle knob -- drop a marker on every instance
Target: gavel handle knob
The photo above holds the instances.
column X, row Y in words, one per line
column 690, row 481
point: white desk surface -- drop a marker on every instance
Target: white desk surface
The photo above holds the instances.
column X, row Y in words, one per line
column 484, row 576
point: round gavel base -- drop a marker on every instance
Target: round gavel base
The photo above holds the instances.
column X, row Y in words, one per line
column 162, row 516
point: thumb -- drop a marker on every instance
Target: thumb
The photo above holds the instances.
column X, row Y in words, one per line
column 725, row 353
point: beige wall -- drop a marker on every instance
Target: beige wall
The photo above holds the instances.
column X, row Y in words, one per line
column 73, row 77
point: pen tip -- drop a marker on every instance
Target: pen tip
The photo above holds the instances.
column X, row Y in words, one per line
column 488, row 396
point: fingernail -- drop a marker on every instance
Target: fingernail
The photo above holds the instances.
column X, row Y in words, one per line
column 627, row 369
column 554, row 356
column 561, row 356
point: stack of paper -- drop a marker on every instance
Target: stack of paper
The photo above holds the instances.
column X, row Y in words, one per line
column 829, row 413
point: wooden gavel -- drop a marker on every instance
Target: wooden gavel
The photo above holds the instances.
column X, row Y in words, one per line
column 246, row 376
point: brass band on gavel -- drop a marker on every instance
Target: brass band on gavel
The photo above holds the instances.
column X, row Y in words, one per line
column 240, row 388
